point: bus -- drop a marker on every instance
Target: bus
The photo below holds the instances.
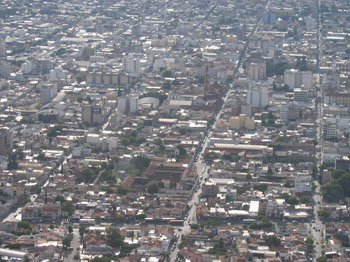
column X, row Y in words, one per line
column 248, row 221
column 87, row 221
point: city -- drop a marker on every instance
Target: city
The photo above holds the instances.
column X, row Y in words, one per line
column 174, row 131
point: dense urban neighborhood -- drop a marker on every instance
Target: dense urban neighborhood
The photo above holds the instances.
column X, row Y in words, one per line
column 183, row 130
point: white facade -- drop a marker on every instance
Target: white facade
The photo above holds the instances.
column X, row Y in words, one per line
column 27, row 67
column 258, row 97
column 58, row 74
column 127, row 104
column 257, row 71
column 296, row 79
column 131, row 64
column 254, row 208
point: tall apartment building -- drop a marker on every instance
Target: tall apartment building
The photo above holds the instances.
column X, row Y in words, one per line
column 296, row 79
column 5, row 140
column 131, row 64
column 257, row 71
column 47, row 93
column 2, row 47
column 329, row 128
column 258, row 97
column 127, row 104
column 91, row 114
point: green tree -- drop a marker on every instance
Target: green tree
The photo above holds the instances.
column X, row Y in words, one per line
column 59, row 198
column 152, row 188
column 70, row 229
column 332, row 193
column 323, row 213
column 344, row 182
column 309, row 245
column 182, row 150
column 82, row 231
column 140, row 162
column 272, row 241
column 338, row 173
column 114, row 239
column 66, row 241
column 24, row 225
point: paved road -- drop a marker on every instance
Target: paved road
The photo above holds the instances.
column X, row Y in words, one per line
column 74, row 244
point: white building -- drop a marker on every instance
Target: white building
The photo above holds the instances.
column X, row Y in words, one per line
column 58, row 74
column 258, row 97
column 131, row 64
column 127, row 104
column 295, row 79
column 27, row 67
column 254, row 208
column 257, row 71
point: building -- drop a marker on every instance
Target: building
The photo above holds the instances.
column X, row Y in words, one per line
column 258, row 97
column 284, row 112
column 289, row 112
column 2, row 47
column 91, row 114
column 58, row 74
column 254, row 208
column 5, row 140
column 329, row 128
column 300, row 95
column 127, row 104
column 241, row 121
column 131, row 64
column 47, row 93
column 86, row 115
column 303, row 184
column 296, row 79
column 257, row 71
column 48, row 212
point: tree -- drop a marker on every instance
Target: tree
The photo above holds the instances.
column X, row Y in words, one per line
column 167, row 73
column 70, row 229
column 261, row 187
column 114, row 239
column 66, row 241
column 218, row 249
column 82, row 231
column 140, row 162
column 24, row 225
column 182, row 150
column 59, row 198
column 332, row 193
column 272, row 241
column 344, row 182
column 248, row 177
column 323, row 213
column 309, row 245
column 152, row 188
column 338, row 173
column 322, row 259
